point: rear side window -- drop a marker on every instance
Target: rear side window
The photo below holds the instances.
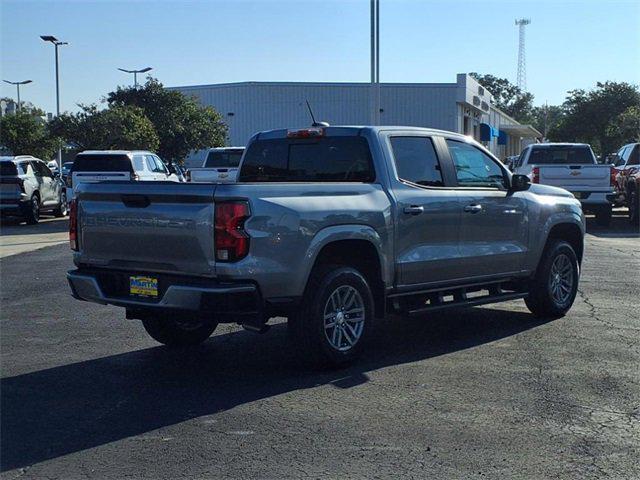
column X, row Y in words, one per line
column 416, row 161
column 561, row 156
column 8, row 169
column 138, row 163
column 102, row 163
column 326, row 159
column 229, row 159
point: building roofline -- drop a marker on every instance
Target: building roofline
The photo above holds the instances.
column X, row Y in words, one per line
column 309, row 84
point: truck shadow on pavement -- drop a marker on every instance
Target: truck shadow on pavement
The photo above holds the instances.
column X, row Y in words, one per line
column 620, row 226
column 58, row 411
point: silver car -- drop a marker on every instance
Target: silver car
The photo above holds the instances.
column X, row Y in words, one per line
column 28, row 187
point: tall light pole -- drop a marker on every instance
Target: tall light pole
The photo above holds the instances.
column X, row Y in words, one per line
column 135, row 74
column 17, row 84
column 375, row 61
column 522, row 61
column 56, row 43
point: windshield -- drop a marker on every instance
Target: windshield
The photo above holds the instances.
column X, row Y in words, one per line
column 561, row 156
column 228, row 159
column 91, row 162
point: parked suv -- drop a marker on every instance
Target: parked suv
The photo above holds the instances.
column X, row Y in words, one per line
column 627, row 180
column 333, row 228
column 102, row 165
column 28, row 187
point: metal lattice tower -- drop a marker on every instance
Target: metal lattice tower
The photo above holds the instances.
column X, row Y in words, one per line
column 522, row 62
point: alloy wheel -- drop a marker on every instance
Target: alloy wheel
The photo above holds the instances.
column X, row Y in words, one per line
column 344, row 316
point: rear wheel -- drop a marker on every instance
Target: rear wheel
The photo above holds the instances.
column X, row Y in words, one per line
column 634, row 207
column 33, row 212
column 63, row 208
column 175, row 332
column 603, row 216
column 554, row 288
column 336, row 317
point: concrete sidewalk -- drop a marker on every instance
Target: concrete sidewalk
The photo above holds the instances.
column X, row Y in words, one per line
column 19, row 238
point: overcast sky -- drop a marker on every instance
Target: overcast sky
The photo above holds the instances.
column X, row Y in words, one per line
column 569, row 44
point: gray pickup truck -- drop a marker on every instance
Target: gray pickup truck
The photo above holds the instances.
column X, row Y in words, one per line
column 332, row 228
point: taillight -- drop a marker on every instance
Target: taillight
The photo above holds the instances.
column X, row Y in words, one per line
column 69, row 180
column 73, row 225
column 535, row 175
column 135, row 177
column 188, row 175
column 612, row 176
column 231, row 240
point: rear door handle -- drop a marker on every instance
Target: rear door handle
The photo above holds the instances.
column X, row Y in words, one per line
column 414, row 210
column 473, row 208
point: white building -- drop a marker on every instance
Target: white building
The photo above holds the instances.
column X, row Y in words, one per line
column 464, row 107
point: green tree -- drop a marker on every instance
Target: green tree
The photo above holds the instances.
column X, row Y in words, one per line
column 508, row 97
column 546, row 118
column 589, row 115
column 181, row 122
column 625, row 128
column 26, row 133
column 125, row 128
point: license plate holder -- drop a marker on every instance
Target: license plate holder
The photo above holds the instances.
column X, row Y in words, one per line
column 143, row 286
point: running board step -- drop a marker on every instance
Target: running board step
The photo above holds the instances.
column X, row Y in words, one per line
column 461, row 300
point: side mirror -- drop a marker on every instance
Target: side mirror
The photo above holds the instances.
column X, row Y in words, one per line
column 520, row 183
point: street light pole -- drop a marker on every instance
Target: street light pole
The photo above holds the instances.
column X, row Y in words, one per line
column 17, row 84
column 56, row 43
column 135, row 74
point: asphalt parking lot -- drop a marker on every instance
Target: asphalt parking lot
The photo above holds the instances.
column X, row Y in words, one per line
column 486, row 392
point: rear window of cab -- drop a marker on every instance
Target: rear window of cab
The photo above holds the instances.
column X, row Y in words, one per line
column 323, row 159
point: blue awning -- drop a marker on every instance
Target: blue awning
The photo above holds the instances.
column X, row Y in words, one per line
column 502, row 138
column 487, row 132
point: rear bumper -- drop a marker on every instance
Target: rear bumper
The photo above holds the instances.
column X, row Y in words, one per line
column 595, row 199
column 227, row 302
column 14, row 207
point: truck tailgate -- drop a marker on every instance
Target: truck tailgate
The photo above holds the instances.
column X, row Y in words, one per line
column 576, row 178
column 147, row 226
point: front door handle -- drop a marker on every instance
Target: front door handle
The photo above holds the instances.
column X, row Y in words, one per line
column 473, row 208
column 414, row 210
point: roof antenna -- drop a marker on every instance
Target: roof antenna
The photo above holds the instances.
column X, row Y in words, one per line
column 315, row 124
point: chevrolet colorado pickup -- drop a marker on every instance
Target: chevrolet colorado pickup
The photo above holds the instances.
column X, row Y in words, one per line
column 332, row 228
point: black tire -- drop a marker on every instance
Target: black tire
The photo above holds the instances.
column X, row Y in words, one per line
column 63, row 208
column 541, row 300
column 174, row 333
column 634, row 207
column 32, row 215
column 603, row 216
column 312, row 338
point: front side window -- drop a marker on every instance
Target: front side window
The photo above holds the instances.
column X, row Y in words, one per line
column 473, row 167
column 634, row 156
column 160, row 166
column 416, row 161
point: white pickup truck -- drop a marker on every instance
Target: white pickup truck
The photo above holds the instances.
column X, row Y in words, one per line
column 571, row 166
column 220, row 166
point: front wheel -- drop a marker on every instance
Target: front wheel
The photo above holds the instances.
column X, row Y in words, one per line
column 336, row 317
column 63, row 208
column 174, row 333
column 555, row 285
